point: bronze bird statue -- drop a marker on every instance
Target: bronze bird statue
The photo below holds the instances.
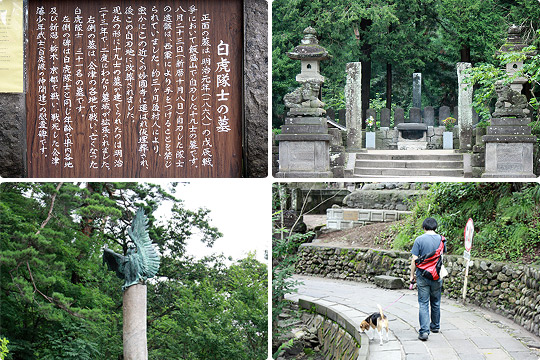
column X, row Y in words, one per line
column 141, row 261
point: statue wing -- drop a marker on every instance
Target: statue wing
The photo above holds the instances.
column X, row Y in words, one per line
column 114, row 261
column 148, row 256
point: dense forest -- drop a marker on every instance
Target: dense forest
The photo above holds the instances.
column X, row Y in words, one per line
column 60, row 302
column 393, row 39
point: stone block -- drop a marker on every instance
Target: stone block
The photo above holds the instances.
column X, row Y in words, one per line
column 337, row 138
column 429, row 116
column 350, row 215
column 377, row 215
column 333, row 224
column 509, row 160
column 389, row 282
column 415, row 115
column 444, row 112
column 399, row 116
column 385, row 117
column 390, row 216
column 371, row 113
column 306, row 112
column 509, row 130
column 364, row 215
column 505, row 121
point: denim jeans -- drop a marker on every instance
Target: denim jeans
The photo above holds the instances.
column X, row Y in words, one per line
column 429, row 291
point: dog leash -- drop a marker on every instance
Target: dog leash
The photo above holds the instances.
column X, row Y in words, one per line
column 395, row 301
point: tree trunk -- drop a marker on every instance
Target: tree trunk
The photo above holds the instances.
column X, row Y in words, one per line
column 465, row 53
column 366, row 69
column 388, row 86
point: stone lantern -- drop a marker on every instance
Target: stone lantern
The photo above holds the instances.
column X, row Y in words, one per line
column 509, row 142
column 514, row 43
column 304, row 142
column 310, row 54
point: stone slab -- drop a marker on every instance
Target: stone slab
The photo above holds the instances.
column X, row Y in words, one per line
column 429, row 116
column 510, row 121
column 399, row 116
column 385, row 117
column 306, row 112
column 389, row 282
column 415, row 115
column 306, row 120
column 509, row 130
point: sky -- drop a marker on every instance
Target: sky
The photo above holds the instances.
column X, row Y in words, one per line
column 239, row 208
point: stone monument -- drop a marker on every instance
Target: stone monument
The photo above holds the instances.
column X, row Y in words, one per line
column 465, row 116
column 353, row 105
column 417, row 90
column 304, row 142
column 509, row 143
column 139, row 264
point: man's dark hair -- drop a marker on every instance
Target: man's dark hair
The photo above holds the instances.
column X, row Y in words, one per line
column 429, row 224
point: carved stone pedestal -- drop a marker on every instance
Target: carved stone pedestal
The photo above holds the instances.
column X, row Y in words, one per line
column 304, row 145
column 509, row 147
column 135, row 323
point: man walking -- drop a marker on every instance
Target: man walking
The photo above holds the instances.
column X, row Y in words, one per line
column 425, row 266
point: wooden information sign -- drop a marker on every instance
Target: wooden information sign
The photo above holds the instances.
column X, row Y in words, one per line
column 134, row 88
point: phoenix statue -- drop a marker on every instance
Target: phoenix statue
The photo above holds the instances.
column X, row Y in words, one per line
column 141, row 261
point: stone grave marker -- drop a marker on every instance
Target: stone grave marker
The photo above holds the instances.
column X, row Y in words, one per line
column 417, row 90
column 444, row 112
column 399, row 116
column 385, row 117
column 415, row 115
column 429, row 116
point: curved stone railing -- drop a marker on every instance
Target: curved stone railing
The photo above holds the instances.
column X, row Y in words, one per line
column 337, row 333
column 508, row 289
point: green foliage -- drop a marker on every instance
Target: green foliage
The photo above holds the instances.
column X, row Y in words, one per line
column 286, row 345
column 3, row 348
column 60, row 302
column 506, row 218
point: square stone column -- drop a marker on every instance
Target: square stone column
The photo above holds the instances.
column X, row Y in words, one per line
column 353, row 105
column 465, row 96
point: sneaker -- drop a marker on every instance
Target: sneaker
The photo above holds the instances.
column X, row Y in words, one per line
column 423, row 336
column 435, row 330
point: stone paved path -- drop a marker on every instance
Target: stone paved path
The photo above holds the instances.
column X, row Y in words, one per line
column 466, row 333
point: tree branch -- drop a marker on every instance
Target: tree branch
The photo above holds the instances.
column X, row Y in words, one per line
column 48, row 298
column 49, row 215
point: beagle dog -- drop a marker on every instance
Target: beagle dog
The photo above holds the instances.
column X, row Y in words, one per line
column 375, row 321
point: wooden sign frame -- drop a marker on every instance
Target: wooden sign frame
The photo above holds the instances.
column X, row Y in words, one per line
column 178, row 62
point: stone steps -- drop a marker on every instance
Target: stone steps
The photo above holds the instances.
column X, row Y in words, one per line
column 400, row 163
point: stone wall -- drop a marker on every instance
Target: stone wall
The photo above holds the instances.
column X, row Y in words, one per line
column 508, row 289
column 339, row 338
column 388, row 196
column 12, row 135
column 387, row 139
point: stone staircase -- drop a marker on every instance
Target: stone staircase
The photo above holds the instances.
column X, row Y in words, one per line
column 406, row 163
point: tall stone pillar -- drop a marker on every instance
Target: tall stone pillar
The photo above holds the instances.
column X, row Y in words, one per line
column 465, row 111
column 135, row 323
column 353, row 106
column 417, row 90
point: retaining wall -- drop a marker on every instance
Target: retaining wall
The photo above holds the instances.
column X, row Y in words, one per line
column 348, row 218
column 338, row 336
column 508, row 289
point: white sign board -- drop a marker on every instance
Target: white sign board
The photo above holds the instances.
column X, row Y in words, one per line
column 468, row 234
